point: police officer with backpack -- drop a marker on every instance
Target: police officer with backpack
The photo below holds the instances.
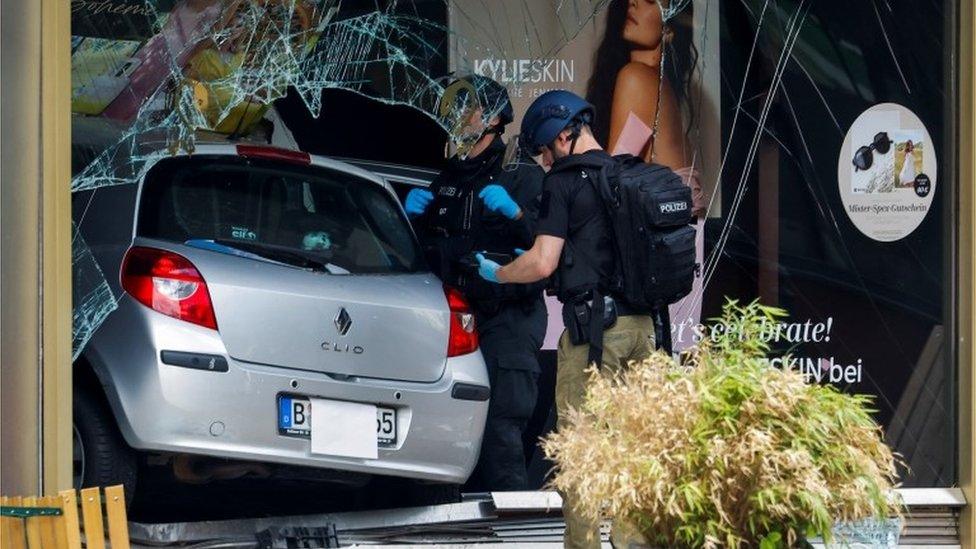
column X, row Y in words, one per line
column 484, row 201
column 607, row 313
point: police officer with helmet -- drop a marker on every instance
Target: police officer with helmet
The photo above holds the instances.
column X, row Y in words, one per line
column 485, row 202
column 574, row 241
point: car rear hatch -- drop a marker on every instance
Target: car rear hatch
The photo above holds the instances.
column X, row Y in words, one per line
column 307, row 267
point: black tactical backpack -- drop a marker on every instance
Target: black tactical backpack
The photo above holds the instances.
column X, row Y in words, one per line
column 649, row 210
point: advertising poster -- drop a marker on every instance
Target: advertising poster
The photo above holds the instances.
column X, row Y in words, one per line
column 100, row 71
column 590, row 64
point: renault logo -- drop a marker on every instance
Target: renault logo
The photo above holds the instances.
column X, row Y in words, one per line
column 342, row 321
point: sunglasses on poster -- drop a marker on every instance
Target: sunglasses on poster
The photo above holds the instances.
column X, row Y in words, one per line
column 864, row 156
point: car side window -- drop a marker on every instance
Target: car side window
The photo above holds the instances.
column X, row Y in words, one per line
column 402, row 188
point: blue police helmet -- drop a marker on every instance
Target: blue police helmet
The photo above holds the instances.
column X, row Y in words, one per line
column 550, row 114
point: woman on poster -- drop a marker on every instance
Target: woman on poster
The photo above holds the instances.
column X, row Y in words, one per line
column 649, row 47
column 907, row 176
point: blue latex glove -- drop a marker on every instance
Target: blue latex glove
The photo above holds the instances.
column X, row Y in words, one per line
column 488, row 269
column 497, row 199
column 519, row 252
column 417, row 201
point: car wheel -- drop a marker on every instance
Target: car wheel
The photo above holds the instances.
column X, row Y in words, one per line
column 100, row 456
column 421, row 494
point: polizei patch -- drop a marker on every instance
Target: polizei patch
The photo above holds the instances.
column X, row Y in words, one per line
column 674, row 207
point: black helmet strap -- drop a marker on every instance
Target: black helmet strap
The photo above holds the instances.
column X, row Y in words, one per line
column 497, row 129
column 576, row 129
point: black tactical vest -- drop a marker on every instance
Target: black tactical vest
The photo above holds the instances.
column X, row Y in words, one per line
column 588, row 251
column 457, row 225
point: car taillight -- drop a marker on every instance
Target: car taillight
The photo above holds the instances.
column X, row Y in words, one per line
column 463, row 338
column 168, row 283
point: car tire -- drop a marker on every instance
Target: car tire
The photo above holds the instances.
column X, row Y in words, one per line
column 101, row 456
column 421, row 494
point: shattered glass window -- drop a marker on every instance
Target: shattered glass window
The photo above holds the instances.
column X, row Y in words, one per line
column 816, row 138
column 151, row 78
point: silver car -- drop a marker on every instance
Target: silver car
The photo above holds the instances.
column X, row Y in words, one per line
column 276, row 311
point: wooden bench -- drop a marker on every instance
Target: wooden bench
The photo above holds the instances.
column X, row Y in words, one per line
column 51, row 522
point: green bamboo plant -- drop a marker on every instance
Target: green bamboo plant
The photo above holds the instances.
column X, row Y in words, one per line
column 723, row 450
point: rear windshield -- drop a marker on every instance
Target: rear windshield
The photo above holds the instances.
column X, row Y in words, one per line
column 333, row 217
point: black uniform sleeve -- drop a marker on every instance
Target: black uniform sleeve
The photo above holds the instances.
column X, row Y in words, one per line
column 527, row 192
column 553, row 209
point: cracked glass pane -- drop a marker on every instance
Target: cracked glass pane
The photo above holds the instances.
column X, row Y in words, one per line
column 149, row 78
column 807, row 89
column 768, row 109
column 92, row 297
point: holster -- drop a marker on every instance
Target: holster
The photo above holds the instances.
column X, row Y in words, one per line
column 587, row 318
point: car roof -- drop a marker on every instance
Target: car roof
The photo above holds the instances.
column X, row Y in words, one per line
column 231, row 150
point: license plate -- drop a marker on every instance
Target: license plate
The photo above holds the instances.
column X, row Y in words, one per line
column 295, row 419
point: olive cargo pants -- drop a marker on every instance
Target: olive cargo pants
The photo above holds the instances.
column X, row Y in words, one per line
column 630, row 339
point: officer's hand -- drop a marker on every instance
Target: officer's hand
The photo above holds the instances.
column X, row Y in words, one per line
column 488, row 269
column 417, row 201
column 497, row 199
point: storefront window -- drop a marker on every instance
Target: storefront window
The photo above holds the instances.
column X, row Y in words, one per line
column 817, row 138
column 839, row 208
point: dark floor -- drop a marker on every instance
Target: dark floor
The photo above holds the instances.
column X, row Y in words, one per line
column 163, row 500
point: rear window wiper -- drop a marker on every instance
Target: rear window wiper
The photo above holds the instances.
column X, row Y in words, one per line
column 270, row 251
column 279, row 253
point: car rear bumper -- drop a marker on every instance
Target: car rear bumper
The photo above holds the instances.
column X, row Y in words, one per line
column 233, row 414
